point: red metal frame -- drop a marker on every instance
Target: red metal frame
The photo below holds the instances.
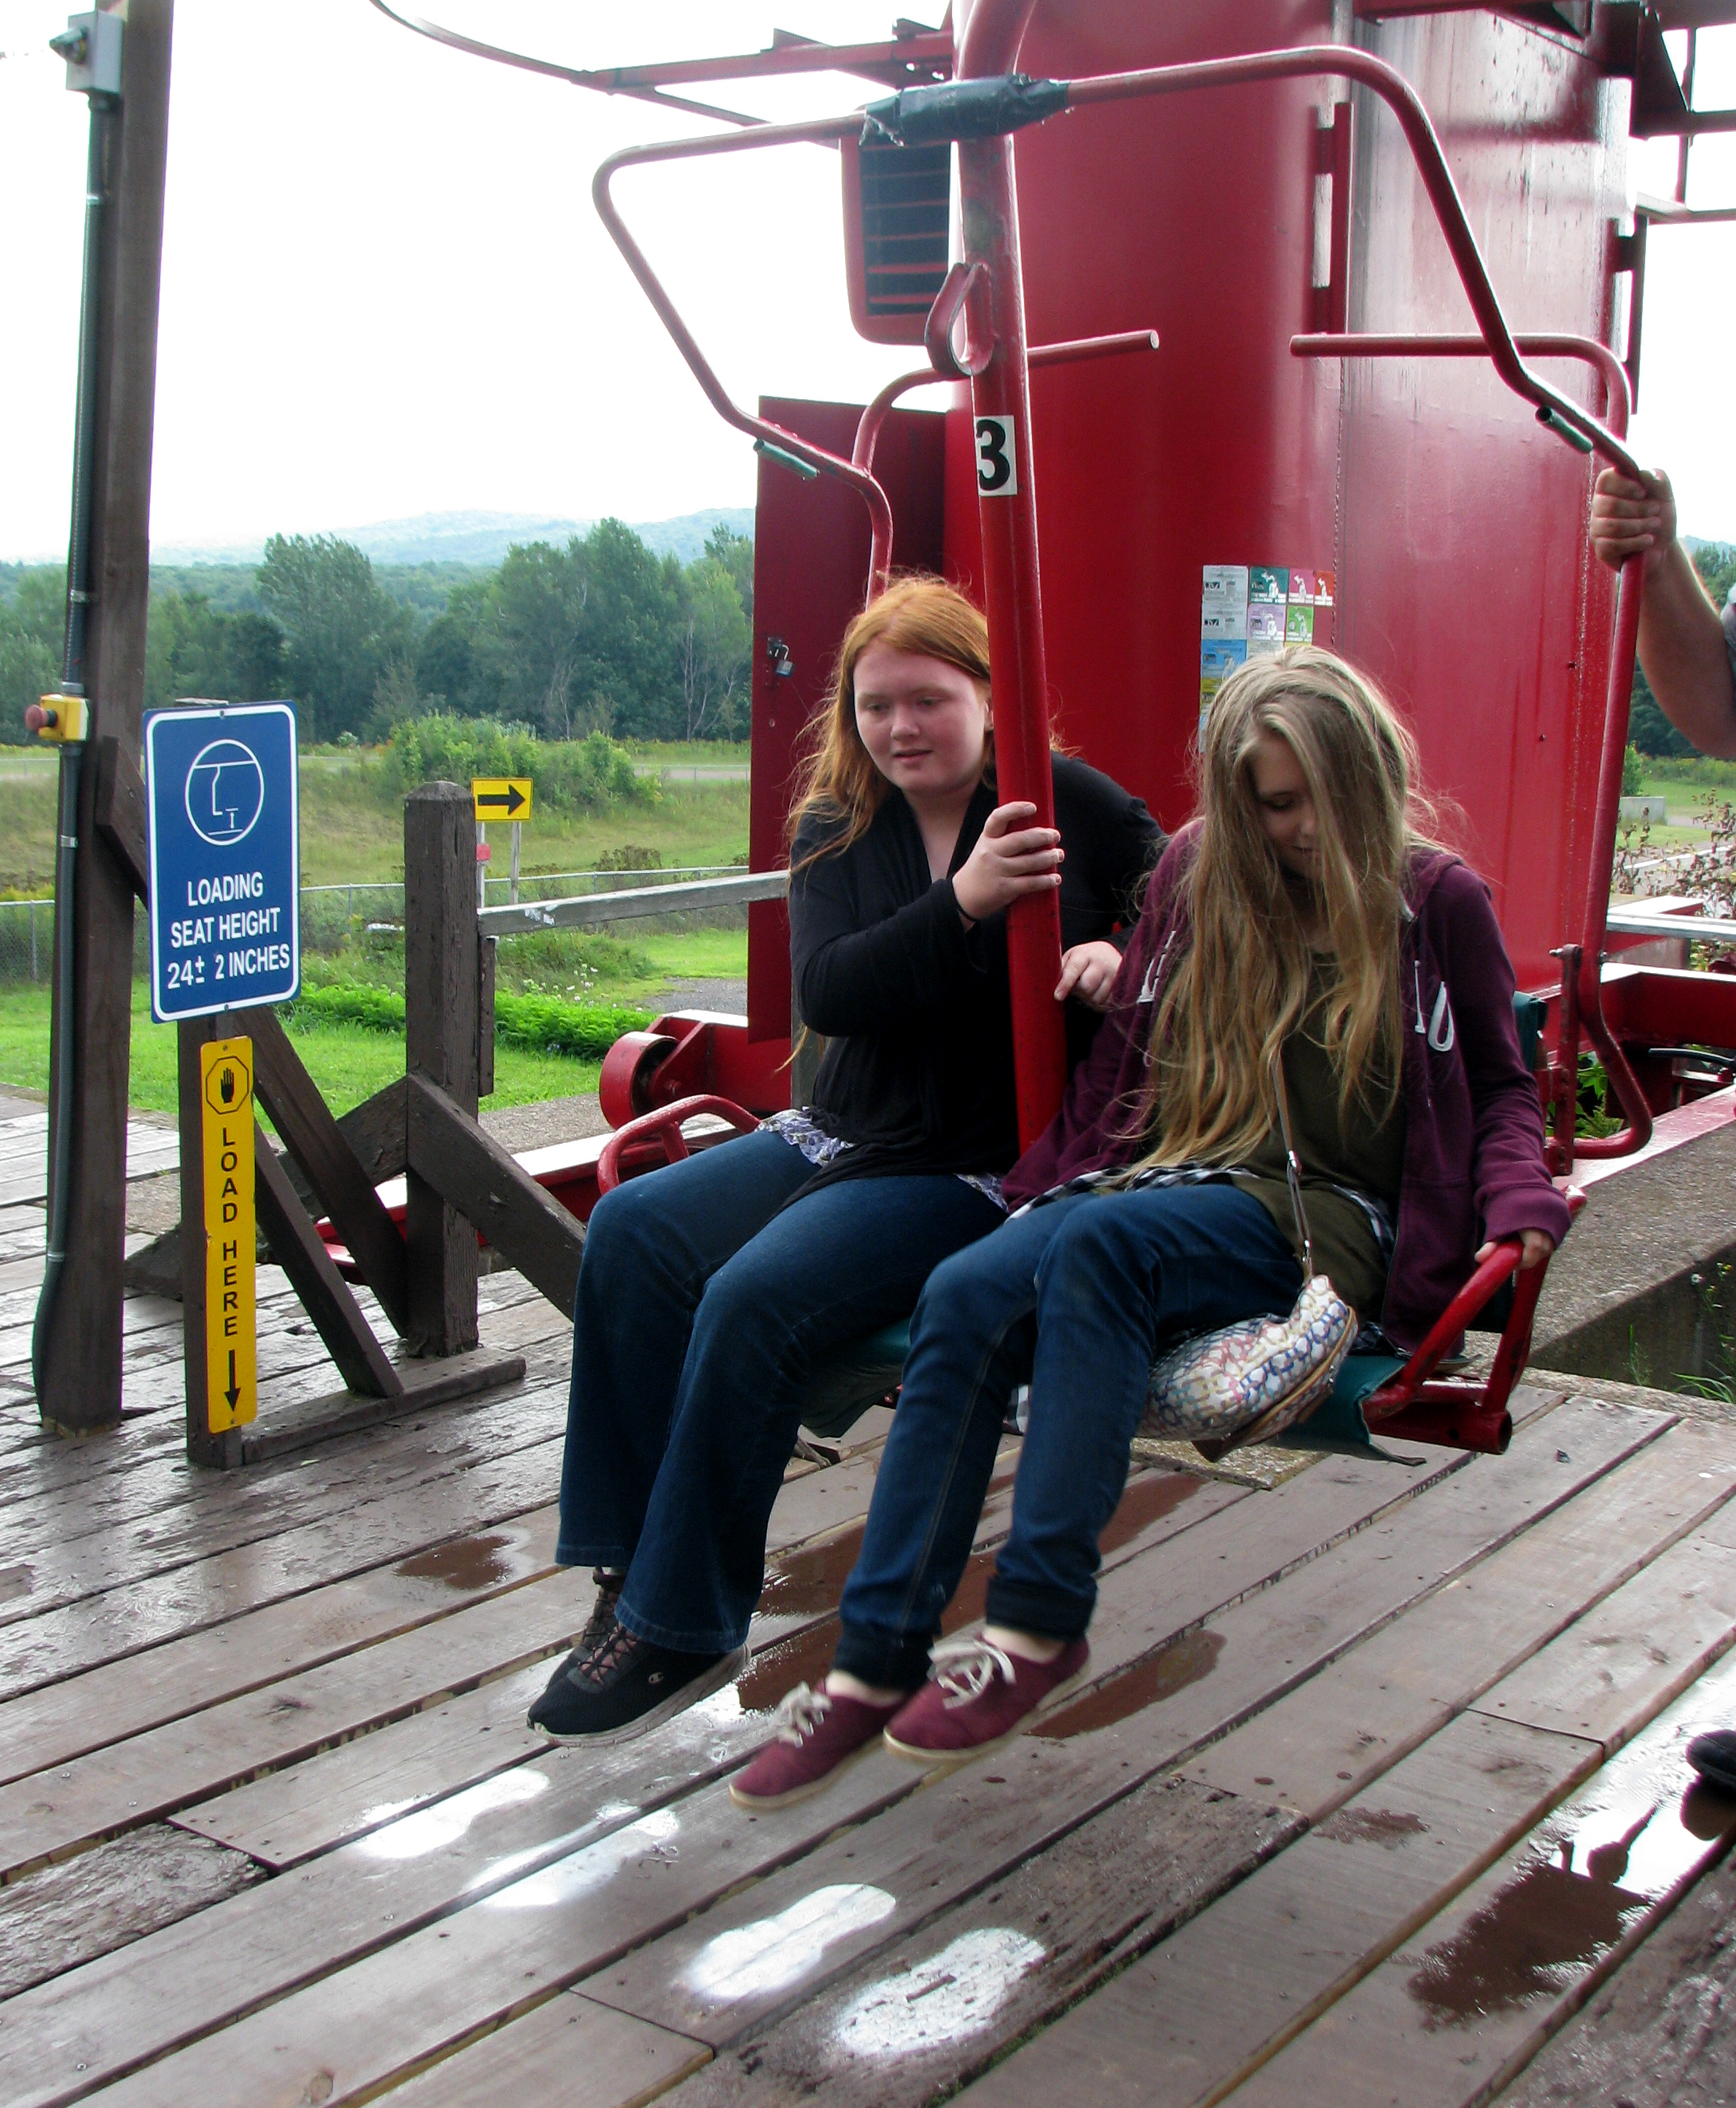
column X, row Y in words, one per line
column 874, row 415
column 991, row 294
column 1582, row 1010
column 664, row 1127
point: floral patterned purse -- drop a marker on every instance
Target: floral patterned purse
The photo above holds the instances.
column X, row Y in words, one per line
column 1248, row 1382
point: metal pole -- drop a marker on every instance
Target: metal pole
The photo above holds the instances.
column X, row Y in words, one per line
column 518, row 829
column 1012, row 580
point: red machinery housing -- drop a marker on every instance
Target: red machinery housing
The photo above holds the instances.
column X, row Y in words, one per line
column 1314, row 314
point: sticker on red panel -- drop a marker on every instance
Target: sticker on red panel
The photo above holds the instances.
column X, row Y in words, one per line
column 1268, row 588
column 996, row 458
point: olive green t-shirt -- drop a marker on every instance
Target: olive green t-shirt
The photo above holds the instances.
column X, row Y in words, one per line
column 1364, row 1150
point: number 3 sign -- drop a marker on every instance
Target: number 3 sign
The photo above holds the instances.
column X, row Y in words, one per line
column 996, row 467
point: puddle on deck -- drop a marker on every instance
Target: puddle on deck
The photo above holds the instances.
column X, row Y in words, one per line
column 1643, row 1825
column 472, row 1562
column 1147, row 1682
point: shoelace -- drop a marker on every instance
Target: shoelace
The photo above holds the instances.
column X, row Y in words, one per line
column 601, row 1662
column 800, row 1713
column 964, row 1669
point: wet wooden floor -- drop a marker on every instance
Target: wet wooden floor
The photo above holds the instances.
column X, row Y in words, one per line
column 1378, row 1775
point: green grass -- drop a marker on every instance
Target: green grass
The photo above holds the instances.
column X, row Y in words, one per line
column 352, row 822
column 348, row 1062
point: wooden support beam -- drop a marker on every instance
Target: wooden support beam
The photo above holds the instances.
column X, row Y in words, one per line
column 465, row 1164
column 441, row 991
column 82, row 1361
column 312, row 1137
column 375, row 1132
column 300, row 1250
column 486, row 950
column 118, row 806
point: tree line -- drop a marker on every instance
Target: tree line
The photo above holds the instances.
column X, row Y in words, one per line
column 601, row 636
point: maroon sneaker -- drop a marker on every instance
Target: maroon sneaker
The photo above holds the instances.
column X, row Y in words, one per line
column 817, row 1734
column 979, row 1697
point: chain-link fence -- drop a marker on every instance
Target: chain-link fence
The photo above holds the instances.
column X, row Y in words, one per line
column 333, row 916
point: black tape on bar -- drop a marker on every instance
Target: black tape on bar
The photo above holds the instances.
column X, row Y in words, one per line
column 964, row 110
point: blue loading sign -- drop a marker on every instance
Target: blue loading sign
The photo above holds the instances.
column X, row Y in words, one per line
column 225, row 859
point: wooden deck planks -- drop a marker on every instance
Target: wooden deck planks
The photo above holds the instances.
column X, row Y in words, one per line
column 1316, row 1748
column 1194, row 2015
column 915, row 2017
column 1472, row 1995
column 190, row 1755
column 459, row 1896
column 149, row 1689
column 1061, row 1786
column 1357, row 1493
column 569, row 2050
column 106, row 1899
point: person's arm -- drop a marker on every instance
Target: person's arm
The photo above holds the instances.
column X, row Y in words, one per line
column 1515, row 1195
column 852, row 977
column 1114, row 843
column 1682, row 641
column 858, row 962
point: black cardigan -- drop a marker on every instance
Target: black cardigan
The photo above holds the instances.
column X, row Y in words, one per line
column 916, row 1008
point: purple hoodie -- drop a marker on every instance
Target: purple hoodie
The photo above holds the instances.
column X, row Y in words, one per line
column 1473, row 1128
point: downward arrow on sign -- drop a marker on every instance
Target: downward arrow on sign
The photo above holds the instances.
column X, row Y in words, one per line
column 233, row 1392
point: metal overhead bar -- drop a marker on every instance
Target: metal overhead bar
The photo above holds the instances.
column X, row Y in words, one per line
column 912, row 53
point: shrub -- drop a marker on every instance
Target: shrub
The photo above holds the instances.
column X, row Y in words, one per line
column 571, row 775
column 543, row 1023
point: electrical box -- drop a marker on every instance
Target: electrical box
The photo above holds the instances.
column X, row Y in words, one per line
column 90, row 46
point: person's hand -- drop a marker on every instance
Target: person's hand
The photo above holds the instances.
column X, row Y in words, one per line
column 1630, row 519
column 1088, row 971
column 1011, row 857
column 1536, row 1247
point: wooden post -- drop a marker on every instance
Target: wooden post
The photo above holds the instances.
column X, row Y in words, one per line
column 81, row 1371
column 441, row 991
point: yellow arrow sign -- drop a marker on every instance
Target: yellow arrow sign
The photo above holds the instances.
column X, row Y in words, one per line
column 230, row 1346
column 501, row 797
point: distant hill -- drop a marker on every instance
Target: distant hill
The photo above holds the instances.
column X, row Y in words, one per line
column 476, row 540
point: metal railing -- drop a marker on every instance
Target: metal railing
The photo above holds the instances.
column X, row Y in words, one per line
column 334, row 915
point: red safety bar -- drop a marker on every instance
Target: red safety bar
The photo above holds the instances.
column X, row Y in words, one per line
column 1582, row 964
column 873, row 418
column 663, row 1126
column 1467, row 1415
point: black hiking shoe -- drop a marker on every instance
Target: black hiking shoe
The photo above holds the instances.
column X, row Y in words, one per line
column 600, row 1623
column 626, row 1685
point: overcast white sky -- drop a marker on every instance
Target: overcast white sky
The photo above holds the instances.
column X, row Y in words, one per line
column 385, row 290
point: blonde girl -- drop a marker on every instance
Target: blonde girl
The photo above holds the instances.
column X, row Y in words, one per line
column 1306, row 917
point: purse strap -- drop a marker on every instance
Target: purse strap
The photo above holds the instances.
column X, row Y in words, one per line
column 1292, row 1163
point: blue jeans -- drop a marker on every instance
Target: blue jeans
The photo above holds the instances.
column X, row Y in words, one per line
column 703, row 1300
column 1078, row 1295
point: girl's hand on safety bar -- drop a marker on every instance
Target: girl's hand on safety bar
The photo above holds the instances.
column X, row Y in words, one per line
column 1088, row 971
column 1536, row 1247
column 1011, row 857
column 1632, row 519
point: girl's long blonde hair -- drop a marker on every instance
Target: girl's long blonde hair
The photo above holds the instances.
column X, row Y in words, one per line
column 838, row 779
column 1242, row 984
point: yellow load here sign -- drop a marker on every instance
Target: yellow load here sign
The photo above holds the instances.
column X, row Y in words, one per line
column 501, row 797
column 231, row 1341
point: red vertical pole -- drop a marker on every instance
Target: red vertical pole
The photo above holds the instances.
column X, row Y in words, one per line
column 1011, row 583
